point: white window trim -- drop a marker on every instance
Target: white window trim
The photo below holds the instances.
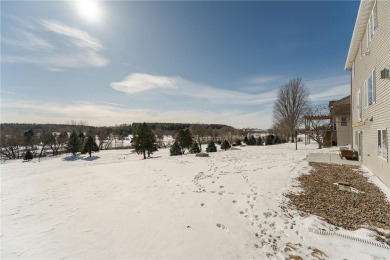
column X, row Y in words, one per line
column 371, row 28
column 353, row 70
column 373, row 75
column 358, row 107
column 383, row 129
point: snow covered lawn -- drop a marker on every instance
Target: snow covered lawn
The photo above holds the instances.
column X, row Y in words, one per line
column 117, row 205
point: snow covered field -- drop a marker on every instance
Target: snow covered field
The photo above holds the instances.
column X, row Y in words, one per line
column 117, row 205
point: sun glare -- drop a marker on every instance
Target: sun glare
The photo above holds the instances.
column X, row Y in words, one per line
column 89, row 10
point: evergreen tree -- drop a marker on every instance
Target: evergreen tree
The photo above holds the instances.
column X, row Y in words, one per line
column 28, row 156
column 211, row 147
column 225, row 145
column 238, row 142
column 245, row 139
column 175, row 149
column 29, row 138
column 184, row 137
column 260, row 141
column 82, row 138
column 195, row 148
column 74, row 143
column 251, row 140
column 277, row 140
column 145, row 140
column 269, row 140
column 90, row 146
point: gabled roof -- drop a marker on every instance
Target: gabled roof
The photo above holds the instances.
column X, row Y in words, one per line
column 359, row 30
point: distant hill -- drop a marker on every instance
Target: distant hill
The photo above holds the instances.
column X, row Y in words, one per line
column 168, row 128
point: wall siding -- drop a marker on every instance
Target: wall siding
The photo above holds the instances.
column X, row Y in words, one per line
column 378, row 59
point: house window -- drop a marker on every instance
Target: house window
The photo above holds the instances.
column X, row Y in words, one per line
column 372, row 24
column 382, row 143
column 356, row 138
column 358, row 106
column 343, row 121
column 371, row 89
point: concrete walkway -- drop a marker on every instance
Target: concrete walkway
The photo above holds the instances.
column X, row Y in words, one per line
column 330, row 158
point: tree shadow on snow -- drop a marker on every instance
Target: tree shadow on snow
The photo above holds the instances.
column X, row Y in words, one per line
column 72, row 158
column 93, row 158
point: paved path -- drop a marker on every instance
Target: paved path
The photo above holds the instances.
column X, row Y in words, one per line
column 330, row 158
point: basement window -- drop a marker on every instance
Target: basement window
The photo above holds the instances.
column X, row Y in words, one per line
column 382, row 143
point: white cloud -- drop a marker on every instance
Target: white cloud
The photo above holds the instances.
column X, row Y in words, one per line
column 261, row 79
column 74, row 49
column 28, row 41
column 72, row 60
column 329, row 88
column 176, row 86
column 331, row 94
column 100, row 115
column 77, row 36
column 139, row 82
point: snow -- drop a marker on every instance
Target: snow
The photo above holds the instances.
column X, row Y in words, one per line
column 117, row 205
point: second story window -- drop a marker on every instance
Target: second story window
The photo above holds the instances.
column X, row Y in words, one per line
column 371, row 89
column 372, row 24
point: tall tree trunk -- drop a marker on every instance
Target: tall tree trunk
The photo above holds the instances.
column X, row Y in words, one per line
column 144, row 155
column 40, row 154
column 90, row 152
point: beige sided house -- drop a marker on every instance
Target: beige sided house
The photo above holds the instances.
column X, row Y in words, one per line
column 340, row 111
column 369, row 62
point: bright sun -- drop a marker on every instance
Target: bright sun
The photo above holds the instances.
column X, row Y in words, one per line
column 89, row 10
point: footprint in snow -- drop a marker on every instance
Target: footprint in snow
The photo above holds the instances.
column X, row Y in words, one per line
column 221, row 226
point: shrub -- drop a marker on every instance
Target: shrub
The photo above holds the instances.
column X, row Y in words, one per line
column 225, row 145
column 195, row 148
column 269, row 140
column 260, row 141
column 211, row 147
column 277, row 140
column 28, row 156
column 238, row 142
column 175, row 149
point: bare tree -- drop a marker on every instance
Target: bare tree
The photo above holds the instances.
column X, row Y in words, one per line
column 160, row 136
column 319, row 123
column 291, row 104
column 55, row 141
column 200, row 132
column 103, row 136
column 10, row 140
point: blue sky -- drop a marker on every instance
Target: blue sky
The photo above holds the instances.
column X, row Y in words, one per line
column 209, row 62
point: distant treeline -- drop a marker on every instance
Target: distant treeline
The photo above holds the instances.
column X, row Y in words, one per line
column 174, row 127
column 124, row 129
